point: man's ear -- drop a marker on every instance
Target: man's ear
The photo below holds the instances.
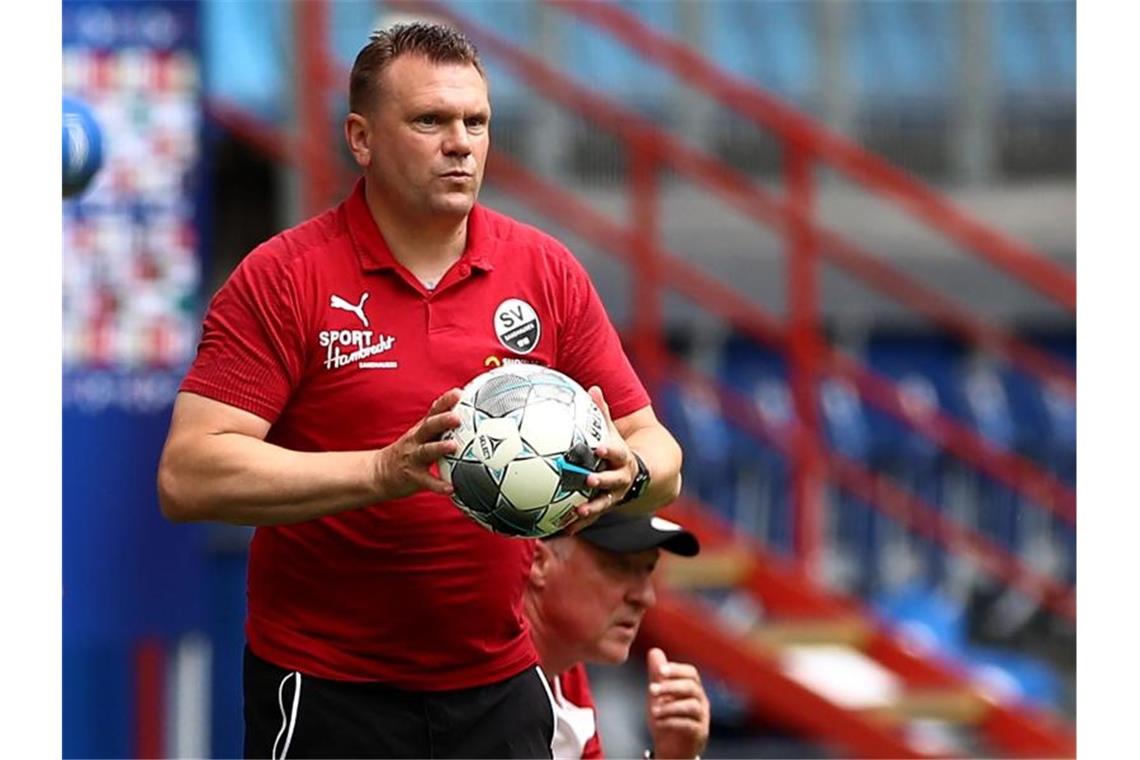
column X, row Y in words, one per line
column 541, row 563
column 358, row 135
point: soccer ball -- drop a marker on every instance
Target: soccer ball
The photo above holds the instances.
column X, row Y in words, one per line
column 82, row 147
column 526, row 446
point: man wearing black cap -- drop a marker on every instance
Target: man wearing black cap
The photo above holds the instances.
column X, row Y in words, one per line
column 585, row 597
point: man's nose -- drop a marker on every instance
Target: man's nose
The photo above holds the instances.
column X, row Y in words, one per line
column 457, row 142
column 642, row 593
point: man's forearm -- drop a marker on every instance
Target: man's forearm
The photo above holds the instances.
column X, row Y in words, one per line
column 662, row 457
column 235, row 478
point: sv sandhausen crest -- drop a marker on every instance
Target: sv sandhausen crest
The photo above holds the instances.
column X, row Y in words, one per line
column 517, row 325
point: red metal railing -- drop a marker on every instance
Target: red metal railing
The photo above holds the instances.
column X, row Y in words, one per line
column 793, row 219
column 317, row 153
column 1013, row 470
column 808, row 243
column 892, row 500
column 847, row 474
column 783, row 215
column 679, row 624
column 1017, row 729
column 1021, row 261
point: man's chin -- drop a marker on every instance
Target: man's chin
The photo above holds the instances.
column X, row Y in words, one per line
column 454, row 204
column 611, row 657
column 614, row 650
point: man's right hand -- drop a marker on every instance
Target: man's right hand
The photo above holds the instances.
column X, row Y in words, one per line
column 678, row 708
column 404, row 466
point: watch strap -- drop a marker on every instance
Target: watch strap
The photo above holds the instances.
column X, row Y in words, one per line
column 640, row 480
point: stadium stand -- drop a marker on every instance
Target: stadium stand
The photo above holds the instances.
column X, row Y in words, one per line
column 939, row 616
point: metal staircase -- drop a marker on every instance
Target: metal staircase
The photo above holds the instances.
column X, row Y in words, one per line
column 798, row 617
column 771, row 659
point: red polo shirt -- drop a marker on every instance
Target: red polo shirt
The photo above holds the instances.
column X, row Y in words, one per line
column 321, row 332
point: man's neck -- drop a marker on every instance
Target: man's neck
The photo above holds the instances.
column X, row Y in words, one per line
column 551, row 658
column 427, row 247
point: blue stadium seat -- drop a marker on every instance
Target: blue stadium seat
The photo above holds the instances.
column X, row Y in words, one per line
column 987, row 403
column 844, row 423
column 350, row 24
column 694, row 417
column 1061, row 412
column 243, row 58
column 1059, row 408
column 923, row 367
column 763, row 502
column 1035, row 46
column 1045, row 432
column 927, row 615
column 902, row 49
column 990, row 413
column 514, row 22
column 1032, row 426
column 1060, row 19
column 1036, row 682
column 603, row 63
column 844, row 418
column 772, row 43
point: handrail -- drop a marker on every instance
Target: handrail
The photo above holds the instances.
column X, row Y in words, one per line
column 739, row 190
column 691, row 280
column 1013, row 470
column 1019, row 729
column 1005, row 725
column 311, row 24
column 678, row 624
column 873, row 172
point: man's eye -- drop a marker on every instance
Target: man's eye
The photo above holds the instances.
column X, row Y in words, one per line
column 428, row 120
column 476, row 121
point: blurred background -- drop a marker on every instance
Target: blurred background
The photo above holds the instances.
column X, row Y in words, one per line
column 839, row 240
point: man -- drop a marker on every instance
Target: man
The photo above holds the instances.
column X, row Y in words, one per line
column 381, row 621
column 585, row 597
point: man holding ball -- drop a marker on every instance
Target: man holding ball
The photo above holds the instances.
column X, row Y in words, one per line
column 382, row 621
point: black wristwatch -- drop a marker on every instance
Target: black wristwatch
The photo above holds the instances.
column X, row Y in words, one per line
column 640, row 480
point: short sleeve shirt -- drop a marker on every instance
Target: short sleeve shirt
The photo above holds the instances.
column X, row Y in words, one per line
column 324, row 334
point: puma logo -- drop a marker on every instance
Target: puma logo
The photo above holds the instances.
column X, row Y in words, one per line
column 358, row 309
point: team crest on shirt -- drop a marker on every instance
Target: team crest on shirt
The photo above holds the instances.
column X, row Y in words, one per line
column 517, row 325
column 345, row 347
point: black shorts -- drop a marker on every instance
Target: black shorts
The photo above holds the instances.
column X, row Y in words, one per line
column 292, row 715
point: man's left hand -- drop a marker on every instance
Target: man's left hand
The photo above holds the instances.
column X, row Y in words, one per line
column 612, row 483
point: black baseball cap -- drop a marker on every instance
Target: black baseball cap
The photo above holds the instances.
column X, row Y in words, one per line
column 633, row 533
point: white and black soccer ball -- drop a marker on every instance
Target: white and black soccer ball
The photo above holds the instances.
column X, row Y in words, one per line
column 526, row 446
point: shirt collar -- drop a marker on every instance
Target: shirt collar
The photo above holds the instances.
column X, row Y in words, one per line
column 374, row 253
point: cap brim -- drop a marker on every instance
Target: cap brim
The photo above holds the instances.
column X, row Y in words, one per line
column 634, row 534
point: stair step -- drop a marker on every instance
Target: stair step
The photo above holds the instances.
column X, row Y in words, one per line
column 712, row 568
column 961, row 705
column 851, row 631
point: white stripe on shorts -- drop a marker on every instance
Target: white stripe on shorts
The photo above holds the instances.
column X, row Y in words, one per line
column 287, row 722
